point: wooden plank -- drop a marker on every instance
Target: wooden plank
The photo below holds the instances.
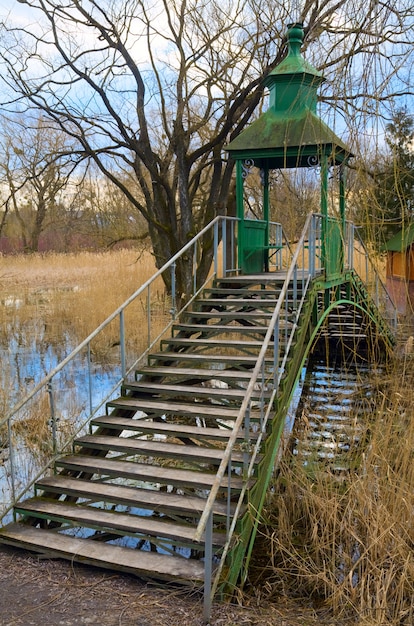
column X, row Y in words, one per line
column 123, row 523
column 101, row 466
column 259, row 278
column 194, row 391
column 167, row 428
column 231, row 312
column 148, row 564
column 248, row 303
column 161, row 407
column 194, row 372
column 214, row 343
column 158, row 449
column 223, row 359
column 152, row 499
column 223, row 328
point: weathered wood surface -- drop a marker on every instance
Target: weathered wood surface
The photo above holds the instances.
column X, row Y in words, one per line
column 168, row 407
column 129, row 446
column 194, row 372
column 163, row 438
column 102, row 466
column 194, row 391
column 126, row 523
column 171, row 429
column 100, row 554
column 152, row 499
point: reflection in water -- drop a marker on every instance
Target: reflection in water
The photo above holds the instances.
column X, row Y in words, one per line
column 332, row 419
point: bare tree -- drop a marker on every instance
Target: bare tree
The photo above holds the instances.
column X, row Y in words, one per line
column 34, row 173
column 158, row 88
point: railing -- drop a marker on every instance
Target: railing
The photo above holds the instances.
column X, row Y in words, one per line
column 72, row 393
column 360, row 261
column 44, row 423
column 279, row 336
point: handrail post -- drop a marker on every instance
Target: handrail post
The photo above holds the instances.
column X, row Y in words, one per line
column 195, row 268
column 53, row 419
column 11, row 459
column 215, row 248
column 208, row 567
column 122, row 342
column 173, row 309
column 312, row 246
column 89, row 378
column 148, row 315
column 276, row 350
column 246, row 445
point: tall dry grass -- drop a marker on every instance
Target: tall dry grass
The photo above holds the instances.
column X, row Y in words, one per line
column 68, row 291
column 349, row 545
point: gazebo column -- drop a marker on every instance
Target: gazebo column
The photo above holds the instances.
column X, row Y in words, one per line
column 266, row 213
column 324, row 208
column 240, row 212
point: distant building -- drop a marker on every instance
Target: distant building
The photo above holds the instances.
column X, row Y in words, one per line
column 400, row 269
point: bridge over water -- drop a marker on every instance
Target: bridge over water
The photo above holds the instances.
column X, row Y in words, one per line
column 166, row 475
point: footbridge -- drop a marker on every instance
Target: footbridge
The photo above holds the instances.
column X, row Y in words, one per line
column 164, row 473
column 168, row 482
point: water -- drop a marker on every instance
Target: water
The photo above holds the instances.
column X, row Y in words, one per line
column 332, row 418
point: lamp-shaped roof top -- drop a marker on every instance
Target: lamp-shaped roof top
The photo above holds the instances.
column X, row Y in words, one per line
column 290, row 133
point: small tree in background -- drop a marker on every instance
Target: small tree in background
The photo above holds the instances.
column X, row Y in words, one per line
column 384, row 199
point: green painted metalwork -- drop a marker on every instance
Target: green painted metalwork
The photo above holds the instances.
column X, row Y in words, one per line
column 312, row 318
column 289, row 134
column 334, row 249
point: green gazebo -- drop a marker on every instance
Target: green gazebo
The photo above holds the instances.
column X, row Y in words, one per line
column 289, row 135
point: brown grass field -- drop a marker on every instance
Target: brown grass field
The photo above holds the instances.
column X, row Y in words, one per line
column 328, row 552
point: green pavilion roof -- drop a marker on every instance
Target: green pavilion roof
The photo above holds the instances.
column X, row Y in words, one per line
column 290, row 133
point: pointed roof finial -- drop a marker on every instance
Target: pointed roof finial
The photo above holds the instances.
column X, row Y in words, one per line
column 294, row 63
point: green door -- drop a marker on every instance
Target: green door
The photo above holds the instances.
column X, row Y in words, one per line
column 253, row 246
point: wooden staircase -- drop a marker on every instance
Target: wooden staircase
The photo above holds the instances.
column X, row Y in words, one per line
column 131, row 494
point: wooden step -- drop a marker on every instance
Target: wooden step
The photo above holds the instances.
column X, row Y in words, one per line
column 251, row 302
column 242, row 329
column 170, row 429
column 114, row 521
column 221, row 359
column 138, row 562
column 102, row 466
column 151, row 499
column 194, row 391
column 229, row 313
column 259, row 277
column 157, row 449
column 164, row 407
column 213, row 343
column 187, row 372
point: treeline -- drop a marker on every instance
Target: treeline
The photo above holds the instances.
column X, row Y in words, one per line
column 151, row 94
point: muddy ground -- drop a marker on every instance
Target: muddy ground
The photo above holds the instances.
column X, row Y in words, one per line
column 44, row 592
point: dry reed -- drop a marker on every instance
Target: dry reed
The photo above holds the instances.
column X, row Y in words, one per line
column 348, row 544
column 76, row 291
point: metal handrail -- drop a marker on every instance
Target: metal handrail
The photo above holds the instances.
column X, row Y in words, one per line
column 108, row 320
column 223, row 229
column 45, row 385
column 205, row 519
